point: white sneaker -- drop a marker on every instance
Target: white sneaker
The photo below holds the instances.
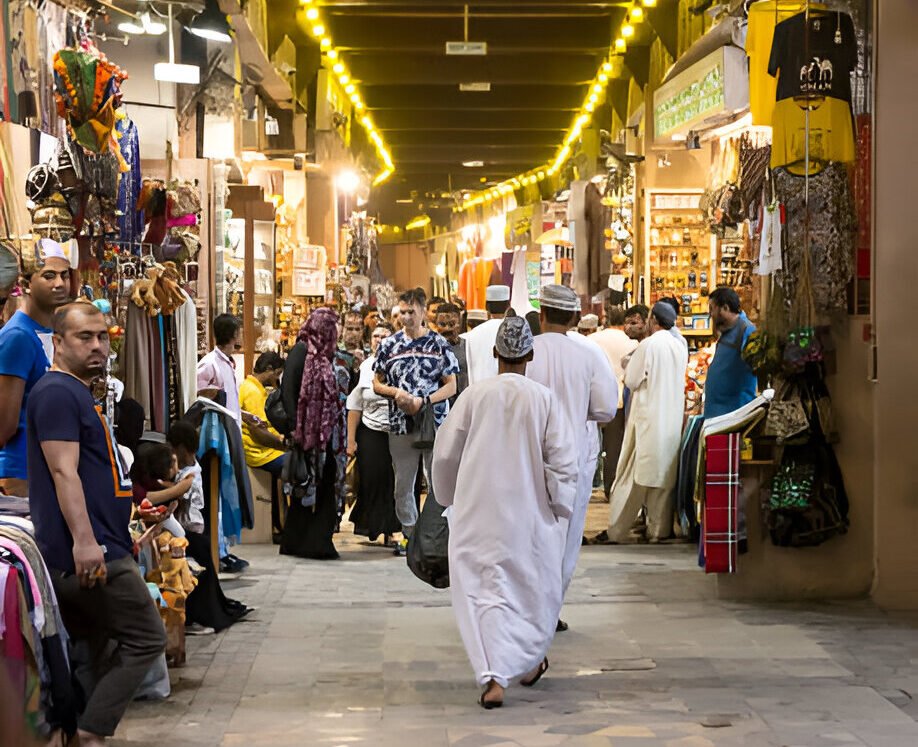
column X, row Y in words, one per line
column 198, row 629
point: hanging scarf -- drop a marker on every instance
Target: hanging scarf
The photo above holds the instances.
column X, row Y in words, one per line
column 318, row 408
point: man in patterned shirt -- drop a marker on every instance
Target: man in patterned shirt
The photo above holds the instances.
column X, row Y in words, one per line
column 414, row 367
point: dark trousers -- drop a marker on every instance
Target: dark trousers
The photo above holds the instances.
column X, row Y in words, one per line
column 613, row 433
column 278, row 502
column 124, row 636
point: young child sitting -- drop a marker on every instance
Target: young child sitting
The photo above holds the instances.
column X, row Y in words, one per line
column 184, row 441
column 153, row 474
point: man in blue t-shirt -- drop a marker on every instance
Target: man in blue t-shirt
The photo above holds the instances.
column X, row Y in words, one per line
column 23, row 356
column 80, row 498
column 414, row 367
column 730, row 382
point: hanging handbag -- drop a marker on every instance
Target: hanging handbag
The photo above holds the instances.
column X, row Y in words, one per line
column 787, row 418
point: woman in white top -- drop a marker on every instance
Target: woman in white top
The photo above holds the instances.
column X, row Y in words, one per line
column 368, row 437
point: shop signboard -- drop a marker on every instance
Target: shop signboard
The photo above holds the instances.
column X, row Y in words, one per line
column 701, row 96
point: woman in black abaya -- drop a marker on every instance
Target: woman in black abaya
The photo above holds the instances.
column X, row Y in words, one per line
column 320, row 434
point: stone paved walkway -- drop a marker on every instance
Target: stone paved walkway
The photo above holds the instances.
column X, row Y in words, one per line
column 358, row 652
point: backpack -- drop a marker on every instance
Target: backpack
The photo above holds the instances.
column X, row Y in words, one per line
column 276, row 414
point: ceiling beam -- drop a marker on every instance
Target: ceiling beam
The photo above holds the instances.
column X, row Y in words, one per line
column 476, row 137
column 412, row 68
column 456, row 154
column 499, row 98
column 350, row 31
column 426, row 120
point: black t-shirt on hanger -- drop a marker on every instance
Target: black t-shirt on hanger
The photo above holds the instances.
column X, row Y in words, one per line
column 826, row 70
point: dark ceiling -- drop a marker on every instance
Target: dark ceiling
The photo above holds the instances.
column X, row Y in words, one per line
column 540, row 61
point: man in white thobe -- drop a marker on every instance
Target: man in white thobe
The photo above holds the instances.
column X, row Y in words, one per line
column 581, row 378
column 646, row 473
column 503, row 464
column 479, row 342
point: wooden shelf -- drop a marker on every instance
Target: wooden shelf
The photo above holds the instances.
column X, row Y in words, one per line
column 697, row 332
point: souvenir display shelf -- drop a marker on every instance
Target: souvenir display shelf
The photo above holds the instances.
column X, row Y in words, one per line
column 680, row 260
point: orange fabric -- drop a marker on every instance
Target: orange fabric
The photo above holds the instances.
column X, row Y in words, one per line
column 474, row 278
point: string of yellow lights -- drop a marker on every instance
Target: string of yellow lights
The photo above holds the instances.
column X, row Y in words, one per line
column 596, row 91
column 333, row 60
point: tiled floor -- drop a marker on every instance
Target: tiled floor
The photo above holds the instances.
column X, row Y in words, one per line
column 358, row 652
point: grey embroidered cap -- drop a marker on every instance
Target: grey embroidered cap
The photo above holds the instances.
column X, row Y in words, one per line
column 559, row 297
column 514, row 338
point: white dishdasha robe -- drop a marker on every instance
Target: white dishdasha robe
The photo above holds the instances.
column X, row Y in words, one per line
column 504, row 465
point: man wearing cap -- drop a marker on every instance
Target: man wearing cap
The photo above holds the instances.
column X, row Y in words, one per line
column 508, row 437
column 475, row 318
column 588, row 325
column 480, row 341
column 578, row 373
column 25, row 352
column 646, row 473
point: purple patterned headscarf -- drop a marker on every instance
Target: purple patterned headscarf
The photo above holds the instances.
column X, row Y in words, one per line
column 319, row 407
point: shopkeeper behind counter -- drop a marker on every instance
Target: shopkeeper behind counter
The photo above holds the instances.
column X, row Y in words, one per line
column 25, row 352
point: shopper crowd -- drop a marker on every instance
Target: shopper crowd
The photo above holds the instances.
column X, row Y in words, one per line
column 506, row 422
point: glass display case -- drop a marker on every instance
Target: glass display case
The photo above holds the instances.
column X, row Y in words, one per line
column 680, row 257
column 249, row 270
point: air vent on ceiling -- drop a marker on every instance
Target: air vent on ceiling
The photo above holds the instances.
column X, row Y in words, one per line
column 467, row 48
column 476, row 86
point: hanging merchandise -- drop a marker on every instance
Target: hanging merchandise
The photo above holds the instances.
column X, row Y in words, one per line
column 771, row 224
column 763, row 17
column 88, row 92
column 362, row 252
column 821, row 224
column 475, row 275
column 33, row 640
column 618, row 196
column 813, row 55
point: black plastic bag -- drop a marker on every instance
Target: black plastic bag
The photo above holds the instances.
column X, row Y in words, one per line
column 425, row 426
column 428, row 546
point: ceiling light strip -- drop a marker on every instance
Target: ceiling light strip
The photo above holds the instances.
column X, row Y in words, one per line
column 319, row 32
column 595, row 93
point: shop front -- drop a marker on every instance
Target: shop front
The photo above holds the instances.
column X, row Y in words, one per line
column 746, row 185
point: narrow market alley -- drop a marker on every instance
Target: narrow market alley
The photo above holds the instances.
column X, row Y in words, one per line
column 359, row 652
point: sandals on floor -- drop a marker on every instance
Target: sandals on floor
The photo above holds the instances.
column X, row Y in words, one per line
column 489, row 704
column 543, row 668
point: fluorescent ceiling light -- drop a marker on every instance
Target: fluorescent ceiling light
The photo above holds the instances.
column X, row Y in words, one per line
column 467, row 48
column 473, row 164
column 476, row 86
column 171, row 72
column 419, row 222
